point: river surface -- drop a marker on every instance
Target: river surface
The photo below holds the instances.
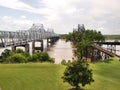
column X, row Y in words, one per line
column 61, row 50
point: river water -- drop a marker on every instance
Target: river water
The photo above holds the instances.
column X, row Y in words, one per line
column 61, row 50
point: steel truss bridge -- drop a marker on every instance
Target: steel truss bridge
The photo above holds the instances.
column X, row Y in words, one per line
column 104, row 53
column 22, row 37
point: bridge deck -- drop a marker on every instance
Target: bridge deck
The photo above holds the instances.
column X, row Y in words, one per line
column 105, row 51
column 108, row 43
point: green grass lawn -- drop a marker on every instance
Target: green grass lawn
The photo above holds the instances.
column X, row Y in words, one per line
column 37, row 76
column 106, row 75
column 32, row 76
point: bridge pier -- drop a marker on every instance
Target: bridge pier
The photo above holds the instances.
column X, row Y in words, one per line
column 99, row 53
column 96, row 55
column 37, row 48
column 111, row 48
column 104, row 56
column 23, row 45
column 51, row 41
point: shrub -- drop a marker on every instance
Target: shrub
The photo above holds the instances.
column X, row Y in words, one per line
column 69, row 62
column 63, row 62
column 6, row 54
column 44, row 57
column 26, row 54
column 19, row 51
column 52, row 60
column 33, row 58
column 16, row 58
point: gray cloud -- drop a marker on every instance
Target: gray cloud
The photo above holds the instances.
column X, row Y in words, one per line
column 64, row 15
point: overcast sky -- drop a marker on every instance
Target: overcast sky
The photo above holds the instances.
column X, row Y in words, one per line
column 62, row 15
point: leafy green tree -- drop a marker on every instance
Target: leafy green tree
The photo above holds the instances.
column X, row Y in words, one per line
column 16, row 58
column 26, row 54
column 51, row 60
column 40, row 57
column 5, row 54
column 35, row 57
column 83, row 49
column 63, row 62
column 44, row 57
column 93, row 35
column 78, row 73
column 74, row 37
column 19, row 51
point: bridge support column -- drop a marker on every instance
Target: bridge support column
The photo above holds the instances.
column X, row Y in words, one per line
column 51, row 41
column 13, row 48
column 111, row 48
column 95, row 55
column 48, row 42
column 37, row 48
column 92, row 55
column 24, row 45
column 27, row 47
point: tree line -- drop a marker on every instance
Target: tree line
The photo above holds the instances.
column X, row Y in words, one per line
column 20, row 56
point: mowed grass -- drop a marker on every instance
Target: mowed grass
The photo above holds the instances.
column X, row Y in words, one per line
column 46, row 76
column 32, row 76
column 106, row 75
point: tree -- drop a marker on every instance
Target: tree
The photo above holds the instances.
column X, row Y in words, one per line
column 16, row 58
column 25, row 53
column 19, row 51
column 74, row 37
column 40, row 56
column 63, row 62
column 93, row 35
column 44, row 56
column 35, row 57
column 83, row 49
column 6, row 54
column 78, row 72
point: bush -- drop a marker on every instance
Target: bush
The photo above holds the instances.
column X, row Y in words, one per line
column 44, row 57
column 6, row 54
column 63, row 62
column 33, row 58
column 16, row 58
column 20, row 56
column 52, row 60
column 41, row 56
column 69, row 62
column 26, row 54
column 19, row 51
